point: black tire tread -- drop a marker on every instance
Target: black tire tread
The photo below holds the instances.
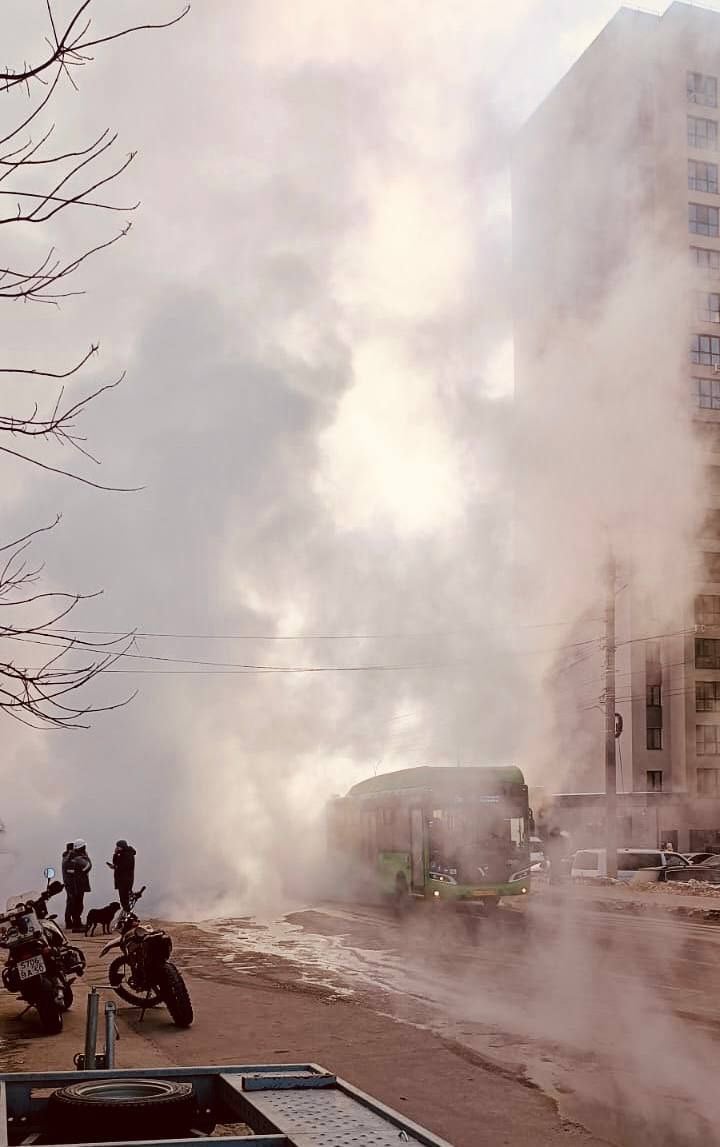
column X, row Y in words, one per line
column 176, row 996
column 74, row 1115
column 51, row 1017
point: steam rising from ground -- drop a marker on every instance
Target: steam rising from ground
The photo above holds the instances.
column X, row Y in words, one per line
column 313, row 309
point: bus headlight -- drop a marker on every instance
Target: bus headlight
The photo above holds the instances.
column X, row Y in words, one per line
column 523, row 890
column 436, row 893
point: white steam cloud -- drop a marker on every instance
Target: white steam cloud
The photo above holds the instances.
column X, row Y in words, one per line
column 314, row 312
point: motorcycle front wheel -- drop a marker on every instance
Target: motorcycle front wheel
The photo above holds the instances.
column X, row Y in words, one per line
column 51, row 1017
column 118, row 972
column 176, row 996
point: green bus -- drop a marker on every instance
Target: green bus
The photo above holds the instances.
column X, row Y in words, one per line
column 457, row 834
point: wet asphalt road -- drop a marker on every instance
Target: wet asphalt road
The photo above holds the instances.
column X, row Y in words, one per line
column 614, row 1016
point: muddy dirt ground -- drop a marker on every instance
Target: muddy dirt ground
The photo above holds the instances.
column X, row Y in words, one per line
column 266, row 1002
column 565, row 1024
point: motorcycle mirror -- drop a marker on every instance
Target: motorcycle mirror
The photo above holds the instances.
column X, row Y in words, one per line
column 49, row 873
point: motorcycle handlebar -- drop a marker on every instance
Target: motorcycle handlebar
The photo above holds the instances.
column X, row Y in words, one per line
column 18, row 910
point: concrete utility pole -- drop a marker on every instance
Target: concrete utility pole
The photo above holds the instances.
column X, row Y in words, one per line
column 610, row 764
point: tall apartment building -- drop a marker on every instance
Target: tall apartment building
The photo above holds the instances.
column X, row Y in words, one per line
column 623, row 155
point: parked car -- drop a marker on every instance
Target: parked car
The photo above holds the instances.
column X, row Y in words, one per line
column 636, row 864
column 707, row 872
column 698, row 857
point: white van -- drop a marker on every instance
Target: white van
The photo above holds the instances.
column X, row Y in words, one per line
column 638, row 864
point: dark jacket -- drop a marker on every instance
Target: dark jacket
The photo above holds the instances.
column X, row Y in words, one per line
column 123, row 863
column 68, row 872
column 79, row 870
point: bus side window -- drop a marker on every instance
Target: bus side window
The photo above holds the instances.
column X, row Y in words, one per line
column 517, row 830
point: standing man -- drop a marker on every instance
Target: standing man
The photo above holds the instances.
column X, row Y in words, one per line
column 123, row 865
column 81, row 864
column 68, row 877
column 555, row 848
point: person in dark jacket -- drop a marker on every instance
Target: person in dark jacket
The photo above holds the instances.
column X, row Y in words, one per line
column 123, row 865
column 80, row 866
column 555, row 850
column 68, row 878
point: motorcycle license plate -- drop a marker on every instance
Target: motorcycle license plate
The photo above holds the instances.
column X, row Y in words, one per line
column 35, row 966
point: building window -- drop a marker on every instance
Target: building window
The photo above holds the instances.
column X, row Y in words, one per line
column 711, row 566
column 706, row 260
column 654, row 738
column 654, row 696
column 702, row 219
column 704, row 840
column 702, row 89
column 705, row 350
column 707, row 696
column 652, row 653
column 703, row 176
column 707, row 740
column 707, row 653
column 708, row 306
column 709, row 529
column 706, row 392
column 654, row 780
column 708, row 436
column 702, row 133
column 707, row 609
column 708, row 782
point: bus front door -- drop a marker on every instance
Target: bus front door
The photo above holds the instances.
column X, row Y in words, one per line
column 417, row 849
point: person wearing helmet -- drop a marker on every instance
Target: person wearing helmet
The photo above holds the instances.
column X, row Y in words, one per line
column 68, row 876
column 79, row 869
column 123, row 865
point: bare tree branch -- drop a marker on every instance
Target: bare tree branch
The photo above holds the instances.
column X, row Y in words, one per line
column 42, row 181
column 36, row 692
column 50, row 373
column 68, row 49
column 68, row 473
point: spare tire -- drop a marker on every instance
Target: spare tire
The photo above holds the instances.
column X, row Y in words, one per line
column 106, row 1110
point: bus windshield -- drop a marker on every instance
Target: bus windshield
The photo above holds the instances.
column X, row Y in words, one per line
column 478, row 842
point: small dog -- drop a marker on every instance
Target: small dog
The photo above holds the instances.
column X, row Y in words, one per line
column 102, row 916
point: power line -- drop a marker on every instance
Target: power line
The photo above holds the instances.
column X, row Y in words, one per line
column 202, row 665
column 261, row 636
column 299, row 636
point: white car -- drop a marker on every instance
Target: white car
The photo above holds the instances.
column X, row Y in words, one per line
column 538, row 860
column 636, row 864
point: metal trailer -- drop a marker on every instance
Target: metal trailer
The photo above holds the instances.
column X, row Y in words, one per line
column 282, row 1105
column 286, row 1105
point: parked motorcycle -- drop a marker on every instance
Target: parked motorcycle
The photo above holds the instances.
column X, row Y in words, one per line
column 144, row 966
column 41, row 965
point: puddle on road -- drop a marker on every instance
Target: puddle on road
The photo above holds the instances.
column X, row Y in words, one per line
column 484, row 1000
column 324, row 961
